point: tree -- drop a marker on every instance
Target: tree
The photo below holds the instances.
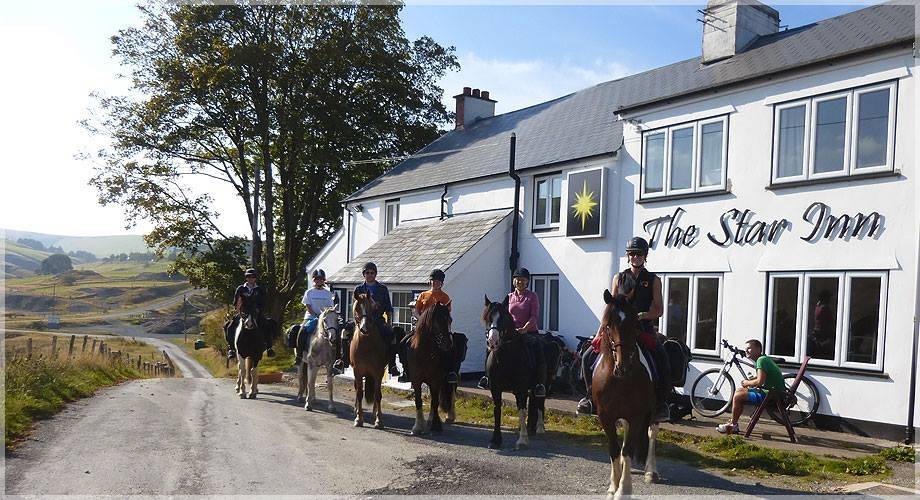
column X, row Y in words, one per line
column 274, row 100
column 56, row 264
column 31, row 243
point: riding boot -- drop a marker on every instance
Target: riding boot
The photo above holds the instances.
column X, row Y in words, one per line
column 391, row 360
column 229, row 334
column 403, row 356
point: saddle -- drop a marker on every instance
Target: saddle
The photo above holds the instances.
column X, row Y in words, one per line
column 679, row 359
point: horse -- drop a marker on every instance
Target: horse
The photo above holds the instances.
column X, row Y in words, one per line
column 250, row 342
column 426, row 365
column 624, row 391
column 368, row 359
column 510, row 368
column 314, row 352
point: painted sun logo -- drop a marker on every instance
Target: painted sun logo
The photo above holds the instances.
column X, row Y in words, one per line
column 584, row 205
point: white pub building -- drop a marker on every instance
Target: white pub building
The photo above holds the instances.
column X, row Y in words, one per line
column 775, row 176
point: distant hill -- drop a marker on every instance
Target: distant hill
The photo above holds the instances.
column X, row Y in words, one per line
column 100, row 246
column 22, row 261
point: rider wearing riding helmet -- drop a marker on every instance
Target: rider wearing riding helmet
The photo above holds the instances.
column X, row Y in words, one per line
column 427, row 299
column 316, row 300
column 381, row 297
column 642, row 289
column 524, row 306
column 249, row 298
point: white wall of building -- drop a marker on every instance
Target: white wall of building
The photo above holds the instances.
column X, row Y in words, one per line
column 875, row 397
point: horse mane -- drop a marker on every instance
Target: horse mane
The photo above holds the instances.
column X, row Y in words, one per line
column 430, row 318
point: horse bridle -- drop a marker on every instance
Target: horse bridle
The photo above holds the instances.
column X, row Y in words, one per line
column 619, row 368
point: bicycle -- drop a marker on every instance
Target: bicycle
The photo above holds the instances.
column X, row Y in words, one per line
column 711, row 392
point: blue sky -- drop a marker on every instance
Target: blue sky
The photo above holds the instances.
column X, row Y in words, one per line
column 57, row 52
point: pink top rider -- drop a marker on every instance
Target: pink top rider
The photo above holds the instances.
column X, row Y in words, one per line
column 524, row 308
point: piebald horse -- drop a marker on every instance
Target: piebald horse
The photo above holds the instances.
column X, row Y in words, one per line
column 250, row 343
column 319, row 352
column 426, row 366
column 368, row 359
column 624, row 392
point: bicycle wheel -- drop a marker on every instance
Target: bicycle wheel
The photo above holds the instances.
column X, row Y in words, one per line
column 711, row 393
column 805, row 404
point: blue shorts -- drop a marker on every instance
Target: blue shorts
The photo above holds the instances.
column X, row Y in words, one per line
column 309, row 325
column 756, row 396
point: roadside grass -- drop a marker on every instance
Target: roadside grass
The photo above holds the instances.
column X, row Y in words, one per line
column 731, row 454
column 37, row 388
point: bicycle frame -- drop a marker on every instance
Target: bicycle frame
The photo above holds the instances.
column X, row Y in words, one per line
column 736, row 360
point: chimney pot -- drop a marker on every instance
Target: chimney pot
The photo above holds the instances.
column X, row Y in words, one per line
column 485, row 94
column 472, row 105
column 467, row 90
column 475, row 92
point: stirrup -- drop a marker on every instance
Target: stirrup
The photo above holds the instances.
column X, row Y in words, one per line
column 585, row 407
column 452, row 378
column 483, row 383
column 539, row 391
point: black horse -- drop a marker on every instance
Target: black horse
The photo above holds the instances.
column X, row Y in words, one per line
column 510, row 367
column 250, row 339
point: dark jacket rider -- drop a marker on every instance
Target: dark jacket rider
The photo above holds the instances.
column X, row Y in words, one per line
column 381, row 296
column 249, row 298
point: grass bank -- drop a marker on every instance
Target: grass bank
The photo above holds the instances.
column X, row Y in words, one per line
column 38, row 388
column 730, row 454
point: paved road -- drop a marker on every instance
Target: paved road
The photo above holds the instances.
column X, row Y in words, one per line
column 194, row 436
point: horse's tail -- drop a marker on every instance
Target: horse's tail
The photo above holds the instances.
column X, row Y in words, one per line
column 447, row 397
column 370, row 390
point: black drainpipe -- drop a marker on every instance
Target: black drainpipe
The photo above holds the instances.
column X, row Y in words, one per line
column 909, row 438
column 513, row 260
column 443, row 203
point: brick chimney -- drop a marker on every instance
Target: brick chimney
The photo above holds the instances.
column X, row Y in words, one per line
column 729, row 26
column 473, row 105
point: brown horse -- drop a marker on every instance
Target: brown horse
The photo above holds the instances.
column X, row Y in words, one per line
column 368, row 359
column 426, row 365
column 624, row 391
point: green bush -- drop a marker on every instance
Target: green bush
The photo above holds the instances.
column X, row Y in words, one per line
column 900, row 454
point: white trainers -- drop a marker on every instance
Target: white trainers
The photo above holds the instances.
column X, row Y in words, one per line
column 728, row 428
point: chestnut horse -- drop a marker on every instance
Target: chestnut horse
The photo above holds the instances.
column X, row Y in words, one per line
column 624, row 391
column 368, row 359
column 510, row 368
column 426, row 365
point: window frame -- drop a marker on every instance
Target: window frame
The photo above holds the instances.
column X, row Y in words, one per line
column 549, row 178
column 892, row 120
column 545, row 311
column 695, row 155
column 843, row 317
column 412, row 295
column 386, row 216
column 851, row 134
column 692, row 308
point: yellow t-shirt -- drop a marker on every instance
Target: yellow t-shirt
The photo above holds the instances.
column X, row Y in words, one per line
column 428, row 298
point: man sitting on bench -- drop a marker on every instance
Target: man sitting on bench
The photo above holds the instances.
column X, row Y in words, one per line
column 769, row 378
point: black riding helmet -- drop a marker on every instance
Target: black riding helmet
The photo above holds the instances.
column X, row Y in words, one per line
column 436, row 275
column 638, row 245
column 251, row 272
column 522, row 273
column 370, row 266
column 319, row 273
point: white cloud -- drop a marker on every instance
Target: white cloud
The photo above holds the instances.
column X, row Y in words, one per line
column 517, row 84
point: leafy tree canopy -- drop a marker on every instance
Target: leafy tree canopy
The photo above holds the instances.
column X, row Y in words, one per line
column 273, row 100
column 56, row 264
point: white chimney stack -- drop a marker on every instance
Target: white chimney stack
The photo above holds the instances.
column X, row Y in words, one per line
column 729, row 26
column 473, row 105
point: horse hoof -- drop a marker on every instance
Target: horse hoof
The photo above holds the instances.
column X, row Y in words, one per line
column 416, row 432
column 242, row 395
column 308, row 407
column 252, row 395
column 378, row 425
column 651, row 477
column 449, row 420
column 359, row 423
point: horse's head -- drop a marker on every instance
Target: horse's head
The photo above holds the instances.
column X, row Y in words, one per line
column 329, row 324
column 362, row 309
column 620, row 321
column 498, row 321
column 248, row 321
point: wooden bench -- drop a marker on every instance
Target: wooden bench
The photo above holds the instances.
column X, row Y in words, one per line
column 780, row 400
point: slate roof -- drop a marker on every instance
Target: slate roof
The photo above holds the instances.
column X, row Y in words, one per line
column 584, row 124
column 410, row 251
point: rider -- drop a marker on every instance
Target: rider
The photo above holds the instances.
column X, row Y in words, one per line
column 249, row 298
column 381, row 296
column 643, row 290
column 316, row 300
column 428, row 298
column 524, row 306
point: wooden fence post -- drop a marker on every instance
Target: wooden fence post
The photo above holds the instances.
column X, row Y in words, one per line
column 73, row 338
column 92, row 350
column 54, row 346
column 29, row 348
column 138, row 361
column 85, row 338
